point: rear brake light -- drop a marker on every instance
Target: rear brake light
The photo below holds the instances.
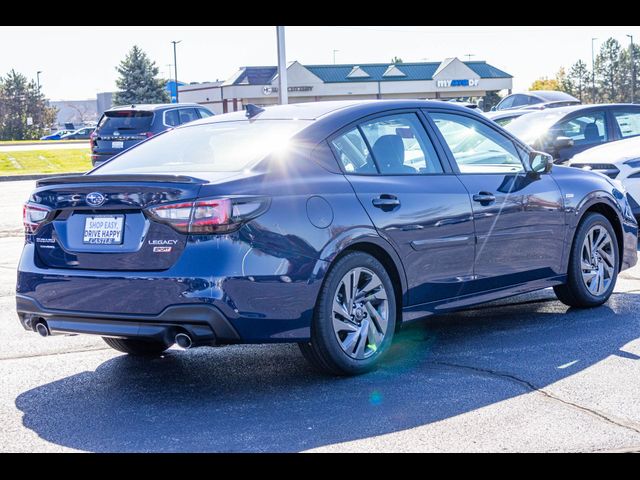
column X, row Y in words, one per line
column 149, row 134
column 207, row 216
column 33, row 216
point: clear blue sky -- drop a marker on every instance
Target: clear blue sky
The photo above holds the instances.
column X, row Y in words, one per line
column 78, row 62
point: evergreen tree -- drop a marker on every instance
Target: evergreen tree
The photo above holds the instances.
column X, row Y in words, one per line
column 565, row 82
column 626, row 72
column 138, row 82
column 21, row 100
column 581, row 79
column 609, row 76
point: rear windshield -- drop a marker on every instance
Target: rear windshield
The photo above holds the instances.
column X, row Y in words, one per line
column 131, row 121
column 212, row 147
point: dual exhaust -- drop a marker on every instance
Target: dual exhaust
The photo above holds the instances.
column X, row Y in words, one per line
column 182, row 339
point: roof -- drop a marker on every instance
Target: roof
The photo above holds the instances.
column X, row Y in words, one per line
column 375, row 72
column 152, row 106
column 550, row 95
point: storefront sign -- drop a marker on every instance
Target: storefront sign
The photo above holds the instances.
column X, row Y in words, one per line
column 268, row 90
column 466, row 82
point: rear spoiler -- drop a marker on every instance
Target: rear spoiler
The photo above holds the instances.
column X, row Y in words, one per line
column 62, row 179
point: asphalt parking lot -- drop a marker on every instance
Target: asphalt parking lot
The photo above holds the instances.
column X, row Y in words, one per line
column 525, row 374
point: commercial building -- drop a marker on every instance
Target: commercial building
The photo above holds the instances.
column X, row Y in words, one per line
column 449, row 79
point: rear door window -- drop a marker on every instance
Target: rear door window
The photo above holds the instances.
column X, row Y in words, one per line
column 353, row 153
column 129, row 121
column 187, row 115
column 172, row 118
column 628, row 122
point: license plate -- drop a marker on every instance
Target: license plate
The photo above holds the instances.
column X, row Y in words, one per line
column 117, row 144
column 103, row 230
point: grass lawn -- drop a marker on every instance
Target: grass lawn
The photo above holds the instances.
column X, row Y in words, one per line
column 44, row 161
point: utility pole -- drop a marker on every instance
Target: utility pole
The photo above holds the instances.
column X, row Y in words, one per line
column 469, row 55
column 334, row 56
column 633, row 71
column 593, row 74
column 175, row 66
column 38, row 79
column 283, row 93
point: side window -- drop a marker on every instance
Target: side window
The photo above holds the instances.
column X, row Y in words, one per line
column 171, row 118
column 353, row 153
column 187, row 115
column 520, row 100
column 533, row 100
column 628, row 122
column 584, row 130
column 476, row 147
column 400, row 145
column 506, row 103
column 204, row 113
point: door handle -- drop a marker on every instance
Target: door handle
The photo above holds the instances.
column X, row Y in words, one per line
column 386, row 202
column 484, row 197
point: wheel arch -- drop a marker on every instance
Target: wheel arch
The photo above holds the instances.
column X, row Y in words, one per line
column 605, row 207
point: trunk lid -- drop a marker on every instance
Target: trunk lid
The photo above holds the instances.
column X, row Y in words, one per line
column 99, row 221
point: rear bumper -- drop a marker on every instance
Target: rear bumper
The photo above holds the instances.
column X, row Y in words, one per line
column 205, row 324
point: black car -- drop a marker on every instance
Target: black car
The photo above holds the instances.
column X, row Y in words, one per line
column 563, row 132
column 536, row 99
column 122, row 127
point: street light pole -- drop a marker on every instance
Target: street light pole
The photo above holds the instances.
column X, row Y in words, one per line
column 38, row 79
column 334, row 56
column 175, row 66
column 283, row 93
column 633, row 71
column 593, row 74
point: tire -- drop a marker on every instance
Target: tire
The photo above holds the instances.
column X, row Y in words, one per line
column 580, row 292
column 141, row 348
column 363, row 329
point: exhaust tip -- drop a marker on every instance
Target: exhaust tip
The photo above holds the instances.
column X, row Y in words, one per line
column 42, row 329
column 183, row 340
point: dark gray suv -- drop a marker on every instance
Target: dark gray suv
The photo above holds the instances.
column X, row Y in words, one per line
column 122, row 127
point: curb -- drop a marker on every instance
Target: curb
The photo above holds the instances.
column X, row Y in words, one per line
column 36, row 176
column 48, row 142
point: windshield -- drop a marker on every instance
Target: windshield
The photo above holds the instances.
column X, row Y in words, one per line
column 212, row 147
column 532, row 126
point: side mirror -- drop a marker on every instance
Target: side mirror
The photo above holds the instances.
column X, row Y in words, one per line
column 563, row 142
column 493, row 109
column 540, row 162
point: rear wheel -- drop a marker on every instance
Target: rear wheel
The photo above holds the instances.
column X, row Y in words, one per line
column 144, row 348
column 593, row 264
column 355, row 317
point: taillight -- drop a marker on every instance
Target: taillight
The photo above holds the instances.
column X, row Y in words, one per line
column 149, row 134
column 207, row 216
column 33, row 216
column 92, row 140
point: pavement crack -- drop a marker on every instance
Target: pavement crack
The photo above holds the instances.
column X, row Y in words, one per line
column 549, row 395
column 36, row 355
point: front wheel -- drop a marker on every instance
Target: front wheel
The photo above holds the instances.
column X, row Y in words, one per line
column 355, row 317
column 593, row 264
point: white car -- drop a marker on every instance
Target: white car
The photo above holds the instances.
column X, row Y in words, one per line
column 619, row 160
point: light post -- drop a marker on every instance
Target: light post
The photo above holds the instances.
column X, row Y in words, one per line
column 175, row 66
column 283, row 92
column 334, row 56
column 38, row 79
column 633, row 71
column 593, row 73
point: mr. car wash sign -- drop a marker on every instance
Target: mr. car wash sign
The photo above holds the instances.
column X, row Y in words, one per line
column 465, row 82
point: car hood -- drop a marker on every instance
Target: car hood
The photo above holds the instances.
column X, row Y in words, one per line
column 613, row 152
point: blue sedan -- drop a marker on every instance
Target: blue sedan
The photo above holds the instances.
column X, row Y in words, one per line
column 325, row 224
column 57, row 135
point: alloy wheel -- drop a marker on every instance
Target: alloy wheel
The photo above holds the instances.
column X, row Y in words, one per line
column 597, row 260
column 360, row 313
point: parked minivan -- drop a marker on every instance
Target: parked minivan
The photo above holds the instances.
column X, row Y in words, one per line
column 122, row 127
